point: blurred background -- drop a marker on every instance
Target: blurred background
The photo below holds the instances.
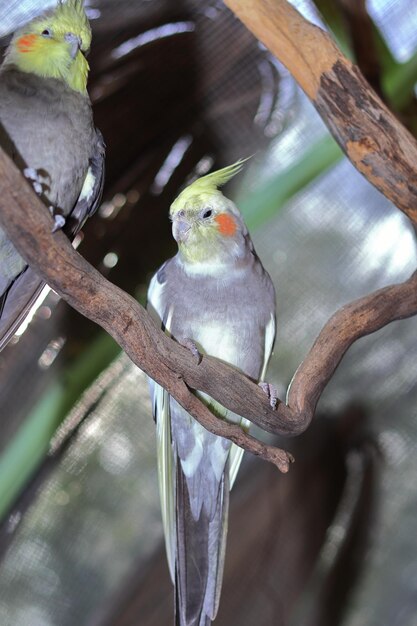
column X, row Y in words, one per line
column 180, row 88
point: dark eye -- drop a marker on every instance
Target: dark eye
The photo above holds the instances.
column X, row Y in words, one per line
column 207, row 213
column 46, row 33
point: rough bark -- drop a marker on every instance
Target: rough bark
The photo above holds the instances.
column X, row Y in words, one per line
column 370, row 135
column 29, row 225
column 374, row 141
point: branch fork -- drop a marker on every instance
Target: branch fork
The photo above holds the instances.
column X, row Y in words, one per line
column 377, row 144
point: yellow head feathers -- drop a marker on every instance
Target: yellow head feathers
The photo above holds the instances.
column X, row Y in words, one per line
column 51, row 45
column 70, row 16
column 206, row 186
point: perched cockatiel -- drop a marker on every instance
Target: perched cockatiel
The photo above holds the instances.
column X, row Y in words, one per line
column 216, row 297
column 46, row 126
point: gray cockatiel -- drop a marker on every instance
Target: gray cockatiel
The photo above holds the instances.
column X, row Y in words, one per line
column 216, row 294
column 46, row 127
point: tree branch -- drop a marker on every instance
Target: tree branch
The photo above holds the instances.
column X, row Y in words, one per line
column 362, row 33
column 374, row 141
column 25, row 220
column 370, row 135
column 353, row 321
column 29, row 224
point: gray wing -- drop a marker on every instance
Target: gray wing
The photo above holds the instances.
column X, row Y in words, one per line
column 194, row 498
column 21, row 293
column 92, row 190
column 236, row 453
column 161, row 412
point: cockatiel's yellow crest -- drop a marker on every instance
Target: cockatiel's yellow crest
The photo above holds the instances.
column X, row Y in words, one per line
column 205, row 224
column 52, row 45
column 206, row 186
column 70, row 16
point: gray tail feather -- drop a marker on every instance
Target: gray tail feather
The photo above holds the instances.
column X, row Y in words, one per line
column 16, row 302
column 200, row 555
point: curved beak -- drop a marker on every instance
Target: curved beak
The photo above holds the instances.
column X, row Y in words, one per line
column 75, row 43
column 180, row 230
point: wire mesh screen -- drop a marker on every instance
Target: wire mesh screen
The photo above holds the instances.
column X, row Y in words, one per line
column 86, row 546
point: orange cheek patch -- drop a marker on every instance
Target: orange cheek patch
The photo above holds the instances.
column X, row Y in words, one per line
column 27, row 43
column 227, row 225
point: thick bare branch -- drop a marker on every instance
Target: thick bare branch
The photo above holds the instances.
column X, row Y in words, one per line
column 373, row 139
column 28, row 224
column 362, row 33
column 353, row 321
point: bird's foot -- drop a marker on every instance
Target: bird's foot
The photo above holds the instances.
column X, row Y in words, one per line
column 59, row 219
column 189, row 343
column 271, row 392
column 40, row 180
column 34, row 178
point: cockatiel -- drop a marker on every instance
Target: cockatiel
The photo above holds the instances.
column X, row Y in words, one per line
column 215, row 296
column 46, row 127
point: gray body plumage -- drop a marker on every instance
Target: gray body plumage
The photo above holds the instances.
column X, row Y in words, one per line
column 48, row 127
column 229, row 315
column 231, row 309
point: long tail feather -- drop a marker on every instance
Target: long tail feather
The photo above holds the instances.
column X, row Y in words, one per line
column 200, row 554
column 16, row 302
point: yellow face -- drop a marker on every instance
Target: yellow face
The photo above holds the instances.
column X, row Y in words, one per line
column 206, row 225
column 53, row 45
column 204, row 228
